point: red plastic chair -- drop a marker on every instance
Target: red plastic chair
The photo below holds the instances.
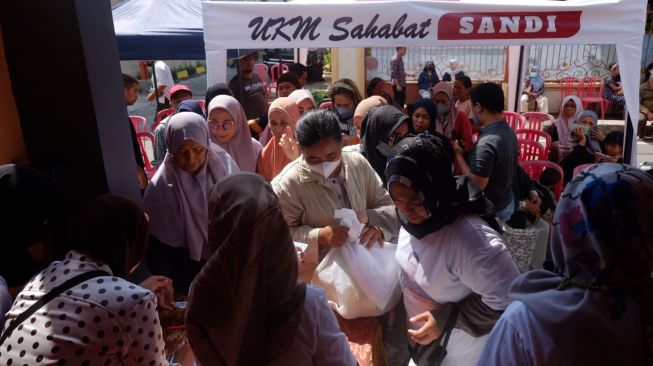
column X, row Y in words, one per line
column 515, row 120
column 580, row 168
column 139, row 123
column 326, row 105
column 534, row 119
column 262, row 71
column 160, row 116
column 570, row 86
column 534, row 169
column 536, row 135
column 149, row 169
column 530, row 150
column 593, row 93
column 202, row 104
column 275, row 73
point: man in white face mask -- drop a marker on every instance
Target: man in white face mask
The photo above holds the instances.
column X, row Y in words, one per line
column 326, row 179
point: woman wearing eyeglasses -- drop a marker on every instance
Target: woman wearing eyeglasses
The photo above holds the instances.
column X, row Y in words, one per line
column 176, row 199
column 229, row 130
column 282, row 147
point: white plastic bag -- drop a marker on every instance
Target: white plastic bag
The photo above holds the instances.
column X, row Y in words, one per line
column 359, row 282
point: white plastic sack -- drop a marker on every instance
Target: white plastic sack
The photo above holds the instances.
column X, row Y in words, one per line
column 360, row 282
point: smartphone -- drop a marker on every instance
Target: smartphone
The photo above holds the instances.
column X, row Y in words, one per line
column 576, row 126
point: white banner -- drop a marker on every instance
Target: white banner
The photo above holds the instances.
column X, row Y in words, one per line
column 432, row 23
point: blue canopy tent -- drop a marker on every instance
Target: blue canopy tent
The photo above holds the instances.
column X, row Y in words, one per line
column 161, row 30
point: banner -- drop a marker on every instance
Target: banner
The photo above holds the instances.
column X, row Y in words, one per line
column 409, row 23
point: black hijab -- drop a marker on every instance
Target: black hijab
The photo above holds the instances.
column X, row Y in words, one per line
column 215, row 90
column 376, row 129
column 28, row 200
column 424, row 163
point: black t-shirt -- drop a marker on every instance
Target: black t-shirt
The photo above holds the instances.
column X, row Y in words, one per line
column 137, row 148
column 251, row 94
column 494, row 156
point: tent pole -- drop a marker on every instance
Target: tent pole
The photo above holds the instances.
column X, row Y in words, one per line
column 628, row 139
column 156, row 89
column 519, row 78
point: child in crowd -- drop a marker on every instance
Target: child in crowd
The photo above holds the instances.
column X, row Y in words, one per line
column 613, row 144
column 536, row 198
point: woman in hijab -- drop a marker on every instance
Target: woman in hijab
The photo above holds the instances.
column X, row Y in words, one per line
column 586, row 141
column 424, row 116
column 382, row 128
column 359, row 114
column 282, row 147
column 286, row 84
column 304, row 100
column 600, row 285
column 450, row 254
column 229, row 130
column 534, row 92
column 427, row 80
column 247, row 306
column 570, row 108
column 454, row 71
column 190, row 105
column 176, row 199
column 215, row 90
column 450, row 122
column 90, row 323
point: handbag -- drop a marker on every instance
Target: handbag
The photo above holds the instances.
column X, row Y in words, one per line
column 49, row 297
column 434, row 353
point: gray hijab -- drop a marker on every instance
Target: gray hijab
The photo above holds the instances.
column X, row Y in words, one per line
column 176, row 201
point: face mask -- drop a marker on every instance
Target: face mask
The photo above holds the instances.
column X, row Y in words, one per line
column 442, row 108
column 345, row 113
column 533, row 74
column 325, row 168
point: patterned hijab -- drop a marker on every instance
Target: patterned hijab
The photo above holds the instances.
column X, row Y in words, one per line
column 602, row 248
column 246, row 303
column 240, row 146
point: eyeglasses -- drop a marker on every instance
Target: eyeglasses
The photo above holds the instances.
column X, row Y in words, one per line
column 226, row 125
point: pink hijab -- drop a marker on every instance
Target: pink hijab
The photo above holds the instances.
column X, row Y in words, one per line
column 176, row 201
column 240, row 146
column 273, row 159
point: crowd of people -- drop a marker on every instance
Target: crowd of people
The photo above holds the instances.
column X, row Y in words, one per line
column 218, row 265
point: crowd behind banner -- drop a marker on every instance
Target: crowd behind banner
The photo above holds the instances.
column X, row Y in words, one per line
column 289, row 231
